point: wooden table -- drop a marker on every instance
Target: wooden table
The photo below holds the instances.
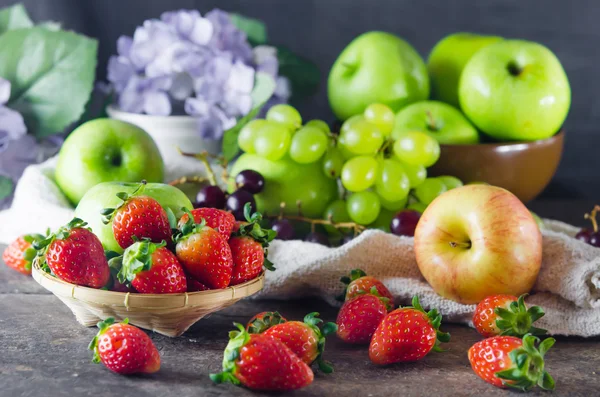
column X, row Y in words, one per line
column 43, row 352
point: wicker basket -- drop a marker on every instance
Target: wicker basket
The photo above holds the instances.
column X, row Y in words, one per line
column 167, row 314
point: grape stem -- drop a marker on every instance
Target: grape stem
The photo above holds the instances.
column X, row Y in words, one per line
column 592, row 217
column 188, row 179
column 203, row 157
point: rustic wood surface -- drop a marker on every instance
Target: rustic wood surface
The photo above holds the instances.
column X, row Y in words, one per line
column 43, row 352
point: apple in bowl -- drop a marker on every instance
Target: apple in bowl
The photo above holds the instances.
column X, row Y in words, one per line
column 478, row 240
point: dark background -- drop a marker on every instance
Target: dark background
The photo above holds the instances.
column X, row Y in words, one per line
column 320, row 29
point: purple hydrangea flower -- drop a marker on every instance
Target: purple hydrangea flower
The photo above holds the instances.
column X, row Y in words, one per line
column 12, row 125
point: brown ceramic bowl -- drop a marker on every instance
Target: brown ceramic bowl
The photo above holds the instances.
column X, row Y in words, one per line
column 524, row 168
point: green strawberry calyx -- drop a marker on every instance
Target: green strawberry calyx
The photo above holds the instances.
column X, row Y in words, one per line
column 528, row 365
column 354, row 275
column 254, row 230
column 30, row 253
column 435, row 318
column 517, row 319
column 260, row 325
column 312, row 320
column 40, row 245
column 136, row 258
column 103, row 327
column 237, row 339
column 108, row 213
column 189, row 228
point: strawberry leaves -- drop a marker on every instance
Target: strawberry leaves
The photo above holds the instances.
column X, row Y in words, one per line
column 312, row 320
column 435, row 319
column 260, row 325
column 255, row 231
column 136, row 258
column 517, row 319
column 237, row 339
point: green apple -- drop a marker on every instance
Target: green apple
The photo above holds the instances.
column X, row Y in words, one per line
column 447, row 60
column 104, row 195
column 105, row 150
column 438, row 120
column 515, row 90
column 289, row 182
column 376, row 67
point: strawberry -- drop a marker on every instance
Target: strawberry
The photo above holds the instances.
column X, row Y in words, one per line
column 263, row 321
column 249, row 248
column 359, row 283
column 194, row 285
column 261, row 362
column 204, row 254
column 407, row 334
column 511, row 362
column 124, row 349
column 150, row 268
column 220, row 220
column 359, row 317
column 19, row 254
column 506, row 315
column 305, row 339
column 138, row 217
column 74, row 254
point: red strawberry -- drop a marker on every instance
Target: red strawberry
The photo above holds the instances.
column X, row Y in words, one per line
column 506, row 315
column 151, row 269
column 508, row 361
column 263, row 321
column 305, row 339
column 194, row 285
column 74, row 254
column 19, row 254
column 220, row 220
column 136, row 218
column 204, row 254
column 358, row 318
column 407, row 334
column 359, row 283
column 124, row 349
column 261, row 362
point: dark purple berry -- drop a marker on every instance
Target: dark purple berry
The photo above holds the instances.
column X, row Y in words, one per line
column 595, row 239
column 318, row 238
column 405, row 222
column 250, row 181
column 210, row 196
column 284, row 229
column 236, row 202
column 584, row 235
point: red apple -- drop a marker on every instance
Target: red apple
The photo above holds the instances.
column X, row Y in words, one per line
column 478, row 240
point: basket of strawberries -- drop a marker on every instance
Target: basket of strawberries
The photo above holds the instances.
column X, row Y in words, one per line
column 171, row 273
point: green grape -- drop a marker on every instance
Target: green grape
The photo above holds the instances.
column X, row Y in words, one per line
column 248, row 134
column 320, row 124
column 333, row 162
column 285, row 114
column 348, row 123
column 393, row 205
column 382, row 116
column 361, row 137
column 417, row 148
column 359, row 173
column 416, row 174
column 383, row 221
column 272, row 141
column 420, row 207
column 427, row 191
column 392, row 182
column 363, row 207
column 308, row 145
column 345, row 153
column 337, row 213
column 451, row 182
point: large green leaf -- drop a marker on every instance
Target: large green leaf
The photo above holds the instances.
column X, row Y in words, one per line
column 255, row 30
column 304, row 75
column 14, row 17
column 264, row 86
column 52, row 75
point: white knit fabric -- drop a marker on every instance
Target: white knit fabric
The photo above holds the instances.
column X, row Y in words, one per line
column 568, row 286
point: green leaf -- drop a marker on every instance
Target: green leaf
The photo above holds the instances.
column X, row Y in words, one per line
column 6, row 187
column 264, row 86
column 304, row 75
column 52, row 75
column 14, row 17
column 255, row 30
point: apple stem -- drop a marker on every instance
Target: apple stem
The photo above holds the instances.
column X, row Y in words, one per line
column 454, row 244
column 592, row 217
column 431, row 121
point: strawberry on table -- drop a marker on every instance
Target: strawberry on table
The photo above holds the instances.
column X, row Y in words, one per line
column 511, row 362
column 305, row 339
column 204, row 254
column 138, row 217
column 261, row 362
column 151, row 268
column 407, row 334
column 19, row 254
column 506, row 315
column 262, row 321
column 359, row 283
column 124, row 349
column 358, row 318
column 220, row 220
column 74, row 254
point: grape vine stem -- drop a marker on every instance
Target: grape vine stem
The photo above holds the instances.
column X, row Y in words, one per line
column 592, row 217
column 328, row 222
column 211, row 177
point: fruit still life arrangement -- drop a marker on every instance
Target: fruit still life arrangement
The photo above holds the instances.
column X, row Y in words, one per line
column 147, row 251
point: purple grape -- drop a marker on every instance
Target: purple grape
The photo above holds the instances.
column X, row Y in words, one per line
column 584, row 235
column 284, row 229
column 405, row 222
column 250, row 181
column 594, row 239
column 236, row 202
column 316, row 237
column 210, row 196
